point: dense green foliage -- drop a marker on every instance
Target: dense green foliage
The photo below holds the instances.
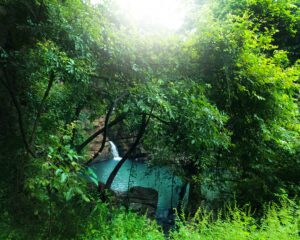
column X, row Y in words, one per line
column 253, row 79
column 221, row 98
column 278, row 222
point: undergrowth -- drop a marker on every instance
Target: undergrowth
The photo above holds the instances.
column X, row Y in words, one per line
column 279, row 222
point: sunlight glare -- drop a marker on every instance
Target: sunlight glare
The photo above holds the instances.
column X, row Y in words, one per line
column 155, row 13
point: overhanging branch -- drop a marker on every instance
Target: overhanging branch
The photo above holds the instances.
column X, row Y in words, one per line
column 141, row 132
column 118, row 119
column 41, row 107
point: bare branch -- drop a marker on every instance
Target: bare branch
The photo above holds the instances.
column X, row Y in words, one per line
column 110, row 110
column 141, row 132
column 104, row 134
column 80, row 147
column 159, row 119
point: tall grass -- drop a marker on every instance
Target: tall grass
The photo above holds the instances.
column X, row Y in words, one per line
column 280, row 222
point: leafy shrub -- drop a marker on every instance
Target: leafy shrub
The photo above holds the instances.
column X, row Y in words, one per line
column 111, row 223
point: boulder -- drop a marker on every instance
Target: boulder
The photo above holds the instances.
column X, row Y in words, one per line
column 142, row 200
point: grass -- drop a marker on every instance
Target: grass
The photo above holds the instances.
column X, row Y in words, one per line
column 279, row 222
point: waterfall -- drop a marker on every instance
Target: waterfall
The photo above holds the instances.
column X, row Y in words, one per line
column 114, row 151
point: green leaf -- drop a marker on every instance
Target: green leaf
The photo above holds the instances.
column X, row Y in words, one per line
column 58, row 171
column 69, row 194
column 63, row 178
column 91, row 173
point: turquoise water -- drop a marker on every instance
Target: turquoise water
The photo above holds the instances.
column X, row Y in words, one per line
column 134, row 173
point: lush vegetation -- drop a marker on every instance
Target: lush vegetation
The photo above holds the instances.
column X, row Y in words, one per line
column 217, row 102
column 278, row 222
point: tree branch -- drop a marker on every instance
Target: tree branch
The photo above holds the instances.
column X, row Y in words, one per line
column 159, row 119
column 104, row 134
column 76, row 117
column 127, row 154
column 40, row 109
column 110, row 110
column 80, row 147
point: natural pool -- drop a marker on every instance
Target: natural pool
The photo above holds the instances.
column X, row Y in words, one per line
column 133, row 173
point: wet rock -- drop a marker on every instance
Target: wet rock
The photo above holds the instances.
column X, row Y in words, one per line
column 95, row 145
column 142, row 200
column 124, row 140
column 121, row 138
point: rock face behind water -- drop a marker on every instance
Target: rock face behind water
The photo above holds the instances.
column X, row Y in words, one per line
column 95, row 145
column 124, row 139
column 121, row 138
column 142, row 200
